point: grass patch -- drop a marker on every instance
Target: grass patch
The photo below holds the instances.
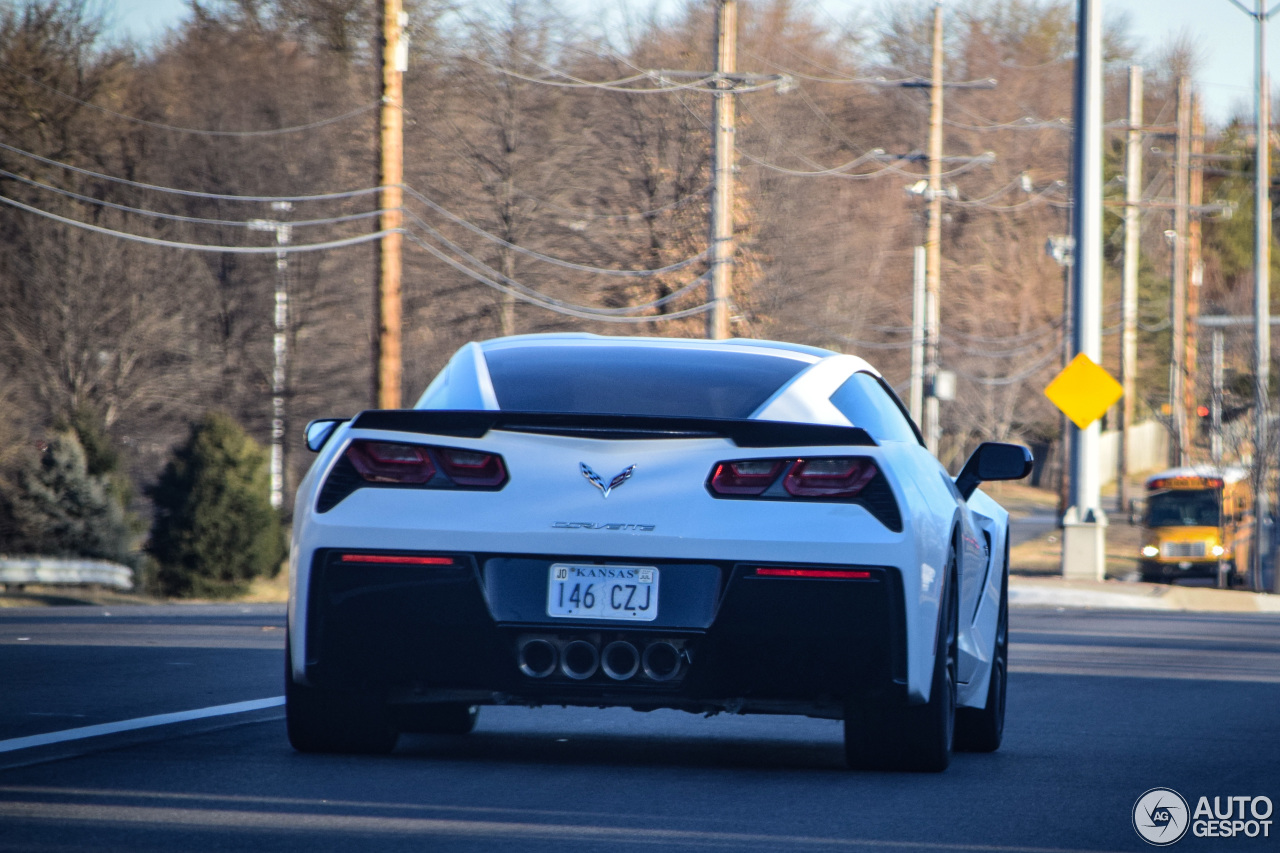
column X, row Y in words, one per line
column 1043, row 556
column 61, row 595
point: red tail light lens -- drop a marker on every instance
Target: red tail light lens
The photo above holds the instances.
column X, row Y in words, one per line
column 468, row 468
column 389, row 462
column 825, row 574
column 746, row 477
column 393, row 559
column 838, row 477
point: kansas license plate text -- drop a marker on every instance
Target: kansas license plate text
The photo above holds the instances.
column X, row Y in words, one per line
column 603, row 592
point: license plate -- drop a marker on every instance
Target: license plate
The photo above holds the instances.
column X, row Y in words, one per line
column 603, row 592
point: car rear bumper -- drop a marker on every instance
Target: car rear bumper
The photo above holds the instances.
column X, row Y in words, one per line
column 1191, row 568
column 460, row 632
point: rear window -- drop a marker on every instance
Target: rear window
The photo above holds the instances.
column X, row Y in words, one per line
column 637, row 380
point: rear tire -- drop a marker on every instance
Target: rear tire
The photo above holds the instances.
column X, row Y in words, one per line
column 982, row 729
column 328, row 721
column 914, row 738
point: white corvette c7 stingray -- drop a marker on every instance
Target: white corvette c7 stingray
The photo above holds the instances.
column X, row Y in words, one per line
column 713, row 526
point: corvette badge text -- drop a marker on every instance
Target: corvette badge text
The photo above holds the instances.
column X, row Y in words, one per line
column 591, row 525
column 1162, row 817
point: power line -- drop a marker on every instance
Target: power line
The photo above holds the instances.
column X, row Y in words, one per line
column 1024, row 123
column 845, row 339
column 629, row 217
column 190, row 193
column 701, row 80
column 536, row 294
column 542, row 303
column 1033, row 198
column 878, row 80
column 839, row 171
column 192, row 130
column 1013, row 379
column 334, row 220
column 520, row 291
column 476, row 229
column 197, row 247
column 833, row 172
column 174, row 217
column 618, row 85
column 1008, row 353
column 1036, row 67
column 1031, row 122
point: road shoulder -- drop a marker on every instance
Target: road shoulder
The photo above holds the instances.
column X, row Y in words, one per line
column 1121, row 595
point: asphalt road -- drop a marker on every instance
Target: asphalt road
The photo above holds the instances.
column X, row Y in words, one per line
column 1032, row 526
column 1102, row 707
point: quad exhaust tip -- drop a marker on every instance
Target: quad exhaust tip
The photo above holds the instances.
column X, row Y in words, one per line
column 620, row 660
column 661, row 661
column 579, row 660
column 537, row 658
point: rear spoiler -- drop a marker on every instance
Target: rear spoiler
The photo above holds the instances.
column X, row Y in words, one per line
column 744, row 433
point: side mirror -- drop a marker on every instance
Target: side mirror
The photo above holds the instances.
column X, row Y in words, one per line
column 1135, row 512
column 994, row 461
column 317, row 432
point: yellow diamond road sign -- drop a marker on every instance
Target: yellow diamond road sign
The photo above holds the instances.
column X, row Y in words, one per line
column 1083, row 391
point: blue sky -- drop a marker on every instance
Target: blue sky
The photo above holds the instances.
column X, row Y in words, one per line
column 1224, row 33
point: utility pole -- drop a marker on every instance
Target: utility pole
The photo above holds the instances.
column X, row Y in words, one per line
column 1261, row 289
column 722, row 167
column 1062, row 248
column 395, row 55
column 933, row 242
column 927, row 379
column 1195, row 265
column 280, row 345
column 1262, row 301
column 1129, row 281
column 1084, row 525
column 724, row 80
column 1178, row 276
column 918, row 309
column 1184, row 265
column 1215, row 408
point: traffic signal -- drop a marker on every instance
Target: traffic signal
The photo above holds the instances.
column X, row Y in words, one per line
column 1203, row 422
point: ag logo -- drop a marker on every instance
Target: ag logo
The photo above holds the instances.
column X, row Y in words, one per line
column 1160, row 816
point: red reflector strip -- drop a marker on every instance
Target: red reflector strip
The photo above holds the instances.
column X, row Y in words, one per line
column 388, row 558
column 839, row 574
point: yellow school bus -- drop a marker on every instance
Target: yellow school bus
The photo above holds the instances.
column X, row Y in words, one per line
column 1197, row 523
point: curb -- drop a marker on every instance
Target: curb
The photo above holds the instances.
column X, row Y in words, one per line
column 1119, row 595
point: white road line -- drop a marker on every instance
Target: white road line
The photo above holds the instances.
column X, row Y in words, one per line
column 138, row 723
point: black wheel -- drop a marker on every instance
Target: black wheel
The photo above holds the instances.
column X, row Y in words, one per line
column 329, row 721
column 446, row 718
column 982, row 729
column 917, row 738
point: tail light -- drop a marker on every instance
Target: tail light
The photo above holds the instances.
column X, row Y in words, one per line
column 841, row 477
column 389, row 462
column 468, row 468
column 838, row 479
column 821, row 574
column 418, row 464
column 397, row 559
column 746, row 477
column 833, row 477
